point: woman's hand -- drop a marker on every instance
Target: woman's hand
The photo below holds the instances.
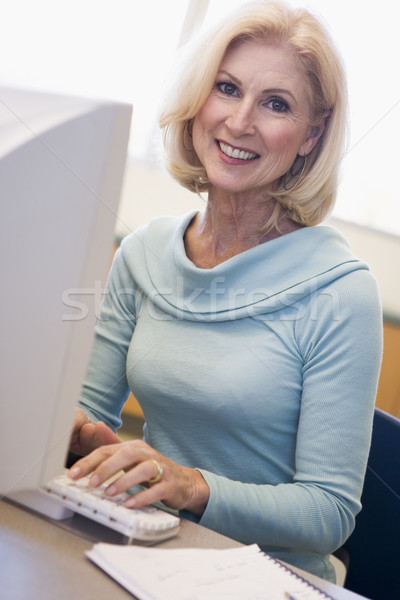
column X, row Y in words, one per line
column 87, row 435
column 179, row 487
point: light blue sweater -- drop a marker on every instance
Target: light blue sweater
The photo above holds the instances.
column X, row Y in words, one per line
column 261, row 373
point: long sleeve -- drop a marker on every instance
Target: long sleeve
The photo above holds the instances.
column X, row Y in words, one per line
column 105, row 388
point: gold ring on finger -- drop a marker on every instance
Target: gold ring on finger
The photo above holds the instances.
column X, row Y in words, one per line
column 159, row 473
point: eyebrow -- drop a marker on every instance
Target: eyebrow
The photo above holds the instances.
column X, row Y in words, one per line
column 267, row 91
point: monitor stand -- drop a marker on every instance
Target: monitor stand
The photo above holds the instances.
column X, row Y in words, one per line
column 42, row 503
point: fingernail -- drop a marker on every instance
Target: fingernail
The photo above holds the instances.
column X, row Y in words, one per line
column 74, row 472
column 111, row 490
column 94, row 481
column 130, row 503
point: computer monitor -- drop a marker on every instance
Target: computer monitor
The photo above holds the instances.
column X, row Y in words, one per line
column 62, row 161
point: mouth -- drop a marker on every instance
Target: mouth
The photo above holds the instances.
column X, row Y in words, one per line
column 236, row 153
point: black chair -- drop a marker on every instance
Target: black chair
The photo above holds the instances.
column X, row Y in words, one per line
column 373, row 566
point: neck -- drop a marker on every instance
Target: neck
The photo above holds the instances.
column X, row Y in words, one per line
column 231, row 225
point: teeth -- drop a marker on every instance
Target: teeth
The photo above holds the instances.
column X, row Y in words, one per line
column 236, row 153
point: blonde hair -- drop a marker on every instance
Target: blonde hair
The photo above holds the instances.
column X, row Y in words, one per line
column 310, row 196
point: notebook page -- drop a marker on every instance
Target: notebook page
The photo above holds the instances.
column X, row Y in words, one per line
column 198, row 574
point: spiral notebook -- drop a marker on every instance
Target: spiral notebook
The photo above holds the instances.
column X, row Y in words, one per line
column 243, row 573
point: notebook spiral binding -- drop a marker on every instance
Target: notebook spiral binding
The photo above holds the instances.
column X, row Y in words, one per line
column 321, row 594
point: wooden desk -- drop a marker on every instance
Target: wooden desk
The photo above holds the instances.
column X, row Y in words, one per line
column 42, row 559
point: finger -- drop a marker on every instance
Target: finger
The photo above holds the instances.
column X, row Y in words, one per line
column 79, row 421
column 108, row 461
column 105, row 435
column 140, row 474
column 88, row 463
column 153, row 494
column 74, row 444
column 88, row 438
column 128, row 457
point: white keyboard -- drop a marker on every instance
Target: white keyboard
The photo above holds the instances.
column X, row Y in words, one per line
column 148, row 524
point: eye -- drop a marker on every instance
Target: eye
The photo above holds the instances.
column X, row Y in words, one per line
column 227, row 88
column 277, row 105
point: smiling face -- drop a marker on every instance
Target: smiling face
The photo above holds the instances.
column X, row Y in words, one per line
column 256, row 119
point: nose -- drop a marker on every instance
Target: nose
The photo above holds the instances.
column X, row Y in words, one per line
column 241, row 119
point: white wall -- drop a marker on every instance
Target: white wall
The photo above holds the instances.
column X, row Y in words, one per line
column 382, row 252
column 149, row 192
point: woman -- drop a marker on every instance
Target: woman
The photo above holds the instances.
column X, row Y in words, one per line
column 251, row 338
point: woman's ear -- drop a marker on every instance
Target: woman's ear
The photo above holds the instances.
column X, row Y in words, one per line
column 315, row 133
